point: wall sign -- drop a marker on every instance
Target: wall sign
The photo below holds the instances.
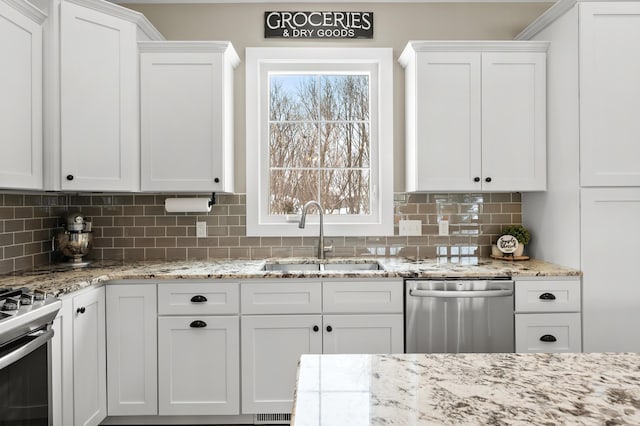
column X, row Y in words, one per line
column 323, row 25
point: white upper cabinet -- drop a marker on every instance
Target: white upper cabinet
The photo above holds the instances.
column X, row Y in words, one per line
column 475, row 116
column 187, row 116
column 92, row 137
column 21, row 95
column 609, row 93
column 99, row 139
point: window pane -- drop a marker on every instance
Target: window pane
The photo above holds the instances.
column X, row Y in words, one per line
column 293, row 98
column 344, row 97
column 345, row 145
column 345, row 192
column 319, row 122
column 293, row 145
column 290, row 189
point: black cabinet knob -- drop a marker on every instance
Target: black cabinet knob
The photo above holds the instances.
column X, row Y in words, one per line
column 81, row 310
column 547, row 296
column 69, row 177
column 548, row 338
column 476, row 179
column 198, row 299
column 316, row 328
column 329, row 328
column 216, row 180
column 487, row 179
column 198, row 324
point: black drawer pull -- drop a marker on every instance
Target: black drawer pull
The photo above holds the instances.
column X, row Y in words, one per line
column 329, row 328
column 547, row 296
column 198, row 324
column 548, row 338
column 81, row 310
column 198, row 299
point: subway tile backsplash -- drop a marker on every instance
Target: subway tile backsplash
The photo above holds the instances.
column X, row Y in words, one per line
column 135, row 227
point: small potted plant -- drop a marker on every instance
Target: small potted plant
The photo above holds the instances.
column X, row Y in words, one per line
column 520, row 233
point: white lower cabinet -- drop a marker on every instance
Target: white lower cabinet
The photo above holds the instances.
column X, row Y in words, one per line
column 199, row 355
column 271, row 348
column 547, row 315
column 362, row 334
column 198, row 364
column 132, row 351
column 548, row 332
column 358, row 317
column 89, row 358
column 184, row 348
column 79, row 387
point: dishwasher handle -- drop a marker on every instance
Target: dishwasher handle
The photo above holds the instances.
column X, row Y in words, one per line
column 462, row 293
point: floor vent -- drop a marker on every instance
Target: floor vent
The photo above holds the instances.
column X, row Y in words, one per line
column 272, row 419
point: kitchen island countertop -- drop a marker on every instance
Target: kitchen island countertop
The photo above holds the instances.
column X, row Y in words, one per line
column 428, row 389
column 59, row 280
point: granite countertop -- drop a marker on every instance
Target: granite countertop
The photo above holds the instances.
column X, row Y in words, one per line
column 421, row 389
column 59, row 280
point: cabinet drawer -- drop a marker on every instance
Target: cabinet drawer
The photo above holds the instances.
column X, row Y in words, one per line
column 548, row 296
column 198, row 298
column 548, row 333
column 362, row 297
column 281, row 298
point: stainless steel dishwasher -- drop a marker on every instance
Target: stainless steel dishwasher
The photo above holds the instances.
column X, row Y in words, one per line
column 451, row 316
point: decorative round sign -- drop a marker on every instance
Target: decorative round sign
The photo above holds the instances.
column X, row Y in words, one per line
column 507, row 244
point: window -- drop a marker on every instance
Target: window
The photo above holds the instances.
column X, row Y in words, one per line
column 319, row 127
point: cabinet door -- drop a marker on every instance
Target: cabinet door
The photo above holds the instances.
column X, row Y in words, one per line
column 271, row 348
column 99, row 101
column 89, row 358
column 514, row 121
column 447, row 119
column 20, row 100
column 198, row 365
column 610, row 291
column 609, row 93
column 132, row 349
column 547, row 332
column 362, row 334
column 181, row 121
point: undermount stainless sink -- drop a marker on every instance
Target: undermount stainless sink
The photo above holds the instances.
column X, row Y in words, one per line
column 324, row 266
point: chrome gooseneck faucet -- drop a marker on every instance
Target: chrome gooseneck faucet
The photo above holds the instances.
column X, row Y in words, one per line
column 303, row 218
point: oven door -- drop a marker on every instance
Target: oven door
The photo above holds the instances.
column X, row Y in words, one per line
column 25, row 380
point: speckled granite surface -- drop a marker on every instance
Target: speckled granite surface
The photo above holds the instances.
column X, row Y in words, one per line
column 419, row 389
column 61, row 280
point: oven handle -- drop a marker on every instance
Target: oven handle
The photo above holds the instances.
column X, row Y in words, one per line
column 462, row 293
column 25, row 350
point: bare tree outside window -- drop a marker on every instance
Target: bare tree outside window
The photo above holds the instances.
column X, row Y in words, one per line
column 319, row 143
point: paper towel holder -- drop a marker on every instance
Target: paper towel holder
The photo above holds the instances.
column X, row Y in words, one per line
column 190, row 205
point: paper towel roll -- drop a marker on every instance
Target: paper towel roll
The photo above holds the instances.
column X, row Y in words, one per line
column 188, row 205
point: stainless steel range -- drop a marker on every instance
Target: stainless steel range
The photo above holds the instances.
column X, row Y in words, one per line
column 25, row 356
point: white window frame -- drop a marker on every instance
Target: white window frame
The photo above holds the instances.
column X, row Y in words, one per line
column 378, row 63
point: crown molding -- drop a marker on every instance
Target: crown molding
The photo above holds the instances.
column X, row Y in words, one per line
column 123, row 13
column 224, row 47
column 417, row 46
column 546, row 19
column 28, row 10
